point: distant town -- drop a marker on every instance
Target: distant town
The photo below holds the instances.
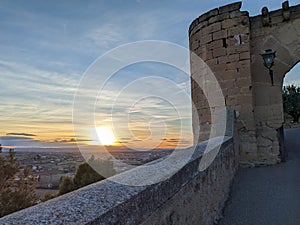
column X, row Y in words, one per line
column 50, row 167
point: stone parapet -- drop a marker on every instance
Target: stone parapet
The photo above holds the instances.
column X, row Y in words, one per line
column 215, row 15
column 187, row 197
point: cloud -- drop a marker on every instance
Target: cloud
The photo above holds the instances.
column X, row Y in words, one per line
column 293, row 76
column 21, row 134
column 104, row 36
column 20, row 142
column 40, row 72
column 70, row 140
column 15, row 138
column 34, row 96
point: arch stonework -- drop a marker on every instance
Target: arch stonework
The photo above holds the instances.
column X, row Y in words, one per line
column 231, row 42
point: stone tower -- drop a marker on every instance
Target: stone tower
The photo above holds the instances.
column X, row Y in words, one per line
column 230, row 43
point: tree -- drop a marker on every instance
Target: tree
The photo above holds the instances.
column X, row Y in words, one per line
column 85, row 174
column 17, row 188
column 103, row 166
column 66, row 185
column 291, row 101
column 48, row 196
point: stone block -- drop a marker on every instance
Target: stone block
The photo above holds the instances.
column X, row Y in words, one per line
column 204, row 31
column 230, row 75
column 244, row 71
column 245, row 63
column 237, row 49
column 214, row 19
column 206, row 55
column 199, row 26
column 233, row 92
column 213, row 12
column 195, row 37
column 276, row 20
column 243, row 82
column 201, row 49
column 206, row 16
column 240, row 30
column 224, row 16
column 231, row 99
column 244, row 20
column 234, row 57
column 231, row 7
column 214, row 27
column 232, row 66
column 223, row 59
column 206, row 39
column 193, row 24
column 246, row 90
column 228, row 82
column 238, row 14
column 212, row 62
column 218, row 69
column 194, row 44
column 220, row 34
column 219, row 52
column 215, row 44
column 229, row 23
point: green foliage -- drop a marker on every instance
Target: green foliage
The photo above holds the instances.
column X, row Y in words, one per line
column 86, row 174
column 291, row 101
column 66, row 185
column 17, row 188
column 104, row 167
column 48, row 196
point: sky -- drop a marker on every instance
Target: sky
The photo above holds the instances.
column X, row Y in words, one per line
column 46, row 47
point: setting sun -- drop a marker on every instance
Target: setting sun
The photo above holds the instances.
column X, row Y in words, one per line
column 105, row 135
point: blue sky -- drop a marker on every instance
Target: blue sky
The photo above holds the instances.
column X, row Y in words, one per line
column 45, row 47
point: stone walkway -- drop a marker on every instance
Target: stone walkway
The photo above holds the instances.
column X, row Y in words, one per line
column 268, row 195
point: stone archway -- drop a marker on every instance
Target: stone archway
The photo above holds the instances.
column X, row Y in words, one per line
column 231, row 42
column 280, row 131
column 281, row 34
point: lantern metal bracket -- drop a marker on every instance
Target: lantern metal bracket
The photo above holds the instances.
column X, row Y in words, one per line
column 268, row 57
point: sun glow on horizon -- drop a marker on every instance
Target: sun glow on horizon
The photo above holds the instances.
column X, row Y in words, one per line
column 105, row 135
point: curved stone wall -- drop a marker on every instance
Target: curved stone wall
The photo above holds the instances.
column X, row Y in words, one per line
column 221, row 37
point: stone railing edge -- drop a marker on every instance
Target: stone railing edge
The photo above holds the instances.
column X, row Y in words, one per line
column 129, row 204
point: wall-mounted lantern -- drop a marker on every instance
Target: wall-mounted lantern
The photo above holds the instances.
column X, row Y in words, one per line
column 268, row 57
